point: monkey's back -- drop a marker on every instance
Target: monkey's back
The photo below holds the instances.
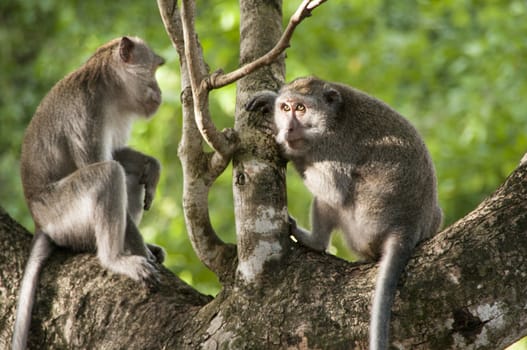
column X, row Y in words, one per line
column 395, row 174
column 65, row 126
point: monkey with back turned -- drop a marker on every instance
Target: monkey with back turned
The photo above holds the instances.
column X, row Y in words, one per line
column 84, row 188
column 369, row 172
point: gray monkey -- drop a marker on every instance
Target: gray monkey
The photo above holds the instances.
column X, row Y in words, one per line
column 369, row 172
column 84, row 188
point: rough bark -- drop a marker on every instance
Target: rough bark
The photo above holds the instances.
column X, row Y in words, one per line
column 466, row 288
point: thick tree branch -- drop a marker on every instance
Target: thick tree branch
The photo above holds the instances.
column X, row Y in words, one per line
column 464, row 289
column 258, row 172
column 197, row 180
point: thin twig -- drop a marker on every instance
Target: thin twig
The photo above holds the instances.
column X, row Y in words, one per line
column 218, row 80
column 221, row 142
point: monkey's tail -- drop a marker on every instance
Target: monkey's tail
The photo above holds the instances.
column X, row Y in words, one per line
column 40, row 251
column 396, row 253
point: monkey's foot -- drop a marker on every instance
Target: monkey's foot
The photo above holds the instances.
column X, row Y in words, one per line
column 136, row 267
column 146, row 272
column 155, row 253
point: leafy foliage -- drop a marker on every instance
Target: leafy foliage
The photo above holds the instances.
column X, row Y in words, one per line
column 454, row 68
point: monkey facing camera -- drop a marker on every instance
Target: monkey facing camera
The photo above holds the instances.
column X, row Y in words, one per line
column 369, row 171
column 84, row 188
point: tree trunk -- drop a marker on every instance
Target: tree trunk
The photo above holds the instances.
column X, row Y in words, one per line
column 465, row 288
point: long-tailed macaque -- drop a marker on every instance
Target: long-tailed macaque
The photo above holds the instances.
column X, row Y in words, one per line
column 369, row 172
column 84, row 188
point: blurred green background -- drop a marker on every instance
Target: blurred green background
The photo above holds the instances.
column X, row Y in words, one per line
column 456, row 69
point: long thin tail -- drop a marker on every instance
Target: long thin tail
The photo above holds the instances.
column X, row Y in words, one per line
column 396, row 253
column 40, row 251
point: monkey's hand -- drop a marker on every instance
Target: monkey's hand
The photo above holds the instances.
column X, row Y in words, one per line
column 294, row 230
column 149, row 179
column 306, row 238
column 292, row 226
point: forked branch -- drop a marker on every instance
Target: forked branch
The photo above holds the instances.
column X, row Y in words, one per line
column 199, row 169
column 225, row 142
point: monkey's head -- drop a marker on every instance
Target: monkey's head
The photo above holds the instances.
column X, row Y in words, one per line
column 136, row 66
column 306, row 111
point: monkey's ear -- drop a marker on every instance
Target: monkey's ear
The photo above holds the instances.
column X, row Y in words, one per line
column 332, row 96
column 125, row 49
column 263, row 102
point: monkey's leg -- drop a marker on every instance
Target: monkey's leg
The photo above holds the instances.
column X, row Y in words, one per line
column 136, row 197
column 134, row 242
column 323, row 221
column 87, row 211
column 111, row 221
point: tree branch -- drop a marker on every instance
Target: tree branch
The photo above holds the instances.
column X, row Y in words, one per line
column 203, row 238
column 218, row 80
column 463, row 289
column 258, row 171
column 200, row 169
column 224, row 143
column 172, row 23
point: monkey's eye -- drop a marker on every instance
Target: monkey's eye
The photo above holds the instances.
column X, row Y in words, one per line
column 300, row 108
column 285, row 107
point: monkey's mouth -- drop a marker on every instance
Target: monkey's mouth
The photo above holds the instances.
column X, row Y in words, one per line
column 295, row 144
column 153, row 101
column 291, row 143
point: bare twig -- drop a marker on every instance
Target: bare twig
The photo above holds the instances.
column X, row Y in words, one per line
column 199, row 169
column 218, row 80
column 222, row 142
column 172, row 22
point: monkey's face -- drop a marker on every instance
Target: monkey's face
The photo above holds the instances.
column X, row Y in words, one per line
column 140, row 65
column 300, row 123
column 306, row 113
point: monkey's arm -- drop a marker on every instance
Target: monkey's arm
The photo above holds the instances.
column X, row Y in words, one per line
column 323, row 221
column 145, row 167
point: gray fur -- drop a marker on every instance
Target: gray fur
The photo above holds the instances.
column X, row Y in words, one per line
column 370, row 173
column 84, row 188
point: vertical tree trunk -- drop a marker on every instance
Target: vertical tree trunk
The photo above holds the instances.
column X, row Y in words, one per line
column 258, row 175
